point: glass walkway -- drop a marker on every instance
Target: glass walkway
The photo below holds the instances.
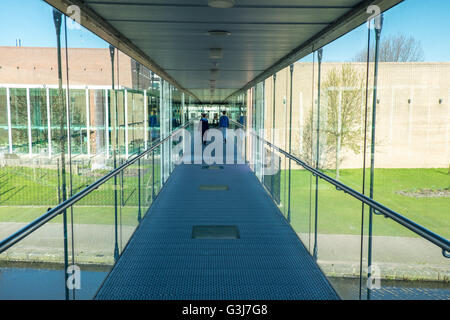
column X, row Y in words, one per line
column 118, row 183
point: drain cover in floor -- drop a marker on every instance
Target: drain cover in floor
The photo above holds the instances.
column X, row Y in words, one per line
column 213, row 187
column 215, row 232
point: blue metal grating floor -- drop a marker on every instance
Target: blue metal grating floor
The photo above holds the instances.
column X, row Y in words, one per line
column 162, row 261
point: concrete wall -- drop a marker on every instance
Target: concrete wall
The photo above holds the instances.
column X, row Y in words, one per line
column 409, row 134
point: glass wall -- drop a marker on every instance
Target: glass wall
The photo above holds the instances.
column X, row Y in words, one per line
column 4, row 125
column 19, row 120
column 411, row 141
column 73, row 108
column 39, row 121
column 376, row 121
column 154, row 111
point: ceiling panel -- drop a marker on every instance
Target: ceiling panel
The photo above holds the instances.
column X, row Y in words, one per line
column 173, row 33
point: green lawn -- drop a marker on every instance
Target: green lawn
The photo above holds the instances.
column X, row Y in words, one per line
column 26, row 186
column 339, row 213
column 26, row 193
column 82, row 215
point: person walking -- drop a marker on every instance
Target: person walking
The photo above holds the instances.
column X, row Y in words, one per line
column 242, row 119
column 224, row 123
column 205, row 127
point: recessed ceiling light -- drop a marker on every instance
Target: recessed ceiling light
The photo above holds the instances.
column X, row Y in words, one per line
column 221, row 3
column 219, row 33
column 216, row 53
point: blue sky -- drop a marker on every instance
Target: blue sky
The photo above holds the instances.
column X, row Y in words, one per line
column 35, row 26
column 427, row 21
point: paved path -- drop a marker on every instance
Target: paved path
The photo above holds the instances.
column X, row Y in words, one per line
column 396, row 257
column 93, row 244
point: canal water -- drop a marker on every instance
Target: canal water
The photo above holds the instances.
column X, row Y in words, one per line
column 46, row 282
column 348, row 289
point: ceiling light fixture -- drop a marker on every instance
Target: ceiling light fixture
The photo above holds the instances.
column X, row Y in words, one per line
column 221, row 3
column 219, row 33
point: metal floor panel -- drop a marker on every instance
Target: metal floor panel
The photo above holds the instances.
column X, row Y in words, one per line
column 163, row 262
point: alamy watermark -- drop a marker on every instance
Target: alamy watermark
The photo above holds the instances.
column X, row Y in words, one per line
column 375, row 15
column 217, row 147
column 74, row 277
column 374, row 279
column 74, row 14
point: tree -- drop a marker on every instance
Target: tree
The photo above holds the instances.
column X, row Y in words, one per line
column 340, row 116
column 343, row 90
column 398, row 48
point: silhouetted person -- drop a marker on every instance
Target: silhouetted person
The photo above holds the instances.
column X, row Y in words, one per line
column 153, row 119
column 242, row 119
column 224, row 124
column 205, row 127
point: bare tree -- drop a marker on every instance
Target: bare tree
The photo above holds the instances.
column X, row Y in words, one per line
column 398, row 48
column 340, row 120
column 343, row 90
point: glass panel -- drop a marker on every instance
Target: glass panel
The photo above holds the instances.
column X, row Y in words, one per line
column 39, row 121
column 78, row 123
column 93, row 238
column 272, row 173
column 302, row 205
column 338, row 246
column 57, row 119
column 33, row 268
column 136, row 118
column 157, row 170
column 4, row 135
column 412, row 145
column 19, row 120
column 398, row 255
column 154, row 114
column 302, row 181
column 176, row 108
column 129, row 210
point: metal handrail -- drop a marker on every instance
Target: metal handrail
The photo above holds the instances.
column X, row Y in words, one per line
column 425, row 233
column 59, row 209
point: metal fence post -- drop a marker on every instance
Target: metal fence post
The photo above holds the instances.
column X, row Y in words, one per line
column 290, row 144
column 153, row 176
column 315, row 250
column 139, row 187
column 372, row 147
